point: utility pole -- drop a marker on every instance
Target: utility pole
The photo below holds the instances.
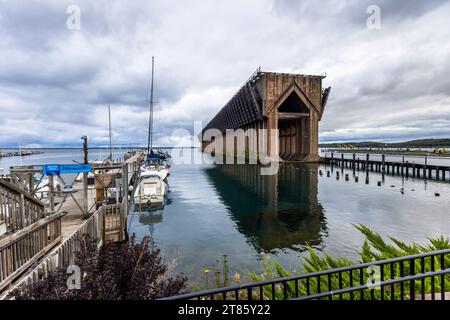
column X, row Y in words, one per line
column 85, row 177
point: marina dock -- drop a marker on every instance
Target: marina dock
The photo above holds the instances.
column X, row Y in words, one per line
column 38, row 236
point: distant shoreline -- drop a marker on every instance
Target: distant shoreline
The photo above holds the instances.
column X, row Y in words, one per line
column 417, row 144
column 95, row 148
column 422, row 153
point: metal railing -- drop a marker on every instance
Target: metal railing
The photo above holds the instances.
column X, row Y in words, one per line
column 418, row 277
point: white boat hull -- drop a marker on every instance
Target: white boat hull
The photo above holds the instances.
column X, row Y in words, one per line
column 161, row 171
column 150, row 190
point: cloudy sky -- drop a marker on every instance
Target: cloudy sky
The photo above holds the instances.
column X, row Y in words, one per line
column 388, row 84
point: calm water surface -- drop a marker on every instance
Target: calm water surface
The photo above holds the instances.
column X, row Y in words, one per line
column 231, row 209
column 214, row 210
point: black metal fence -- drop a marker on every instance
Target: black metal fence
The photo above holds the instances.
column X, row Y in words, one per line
column 418, row 277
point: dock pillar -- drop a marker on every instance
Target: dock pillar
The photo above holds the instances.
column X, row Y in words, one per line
column 51, row 192
column 403, row 165
column 85, row 178
column 425, row 167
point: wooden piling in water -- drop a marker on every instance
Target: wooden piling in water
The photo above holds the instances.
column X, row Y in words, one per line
column 403, row 168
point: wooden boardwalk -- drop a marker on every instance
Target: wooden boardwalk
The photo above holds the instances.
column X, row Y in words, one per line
column 38, row 240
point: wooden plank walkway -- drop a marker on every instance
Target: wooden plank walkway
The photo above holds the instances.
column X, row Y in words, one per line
column 107, row 222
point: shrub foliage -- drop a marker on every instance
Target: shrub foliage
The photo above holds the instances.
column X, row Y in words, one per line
column 116, row 271
column 375, row 248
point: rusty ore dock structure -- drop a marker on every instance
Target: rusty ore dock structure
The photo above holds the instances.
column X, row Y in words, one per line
column 292, row 103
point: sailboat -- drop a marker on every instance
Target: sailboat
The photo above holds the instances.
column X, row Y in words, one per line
column 152, row 185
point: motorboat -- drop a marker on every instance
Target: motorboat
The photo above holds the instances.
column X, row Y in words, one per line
column 151, row 189
column 152, row 186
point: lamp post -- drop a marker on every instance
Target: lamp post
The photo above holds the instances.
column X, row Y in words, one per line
column 85, row 177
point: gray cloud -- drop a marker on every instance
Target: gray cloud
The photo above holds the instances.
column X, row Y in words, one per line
column 55, row 84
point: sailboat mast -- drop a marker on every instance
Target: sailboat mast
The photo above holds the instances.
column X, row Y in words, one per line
column 150, row 122
column 20, row 154
column 110, row 133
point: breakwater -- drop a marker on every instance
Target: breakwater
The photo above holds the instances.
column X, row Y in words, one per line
column 19, row 153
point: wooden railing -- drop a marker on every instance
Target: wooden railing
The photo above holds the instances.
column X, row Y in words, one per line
column 18, row 209
column 64, row 254
column 106, row 224
column 114, row 224
column 115, row 221
column 22, row 249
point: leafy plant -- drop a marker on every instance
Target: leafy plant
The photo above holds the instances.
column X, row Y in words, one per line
column 375, row 248
column 220, row 271
column 116, row 271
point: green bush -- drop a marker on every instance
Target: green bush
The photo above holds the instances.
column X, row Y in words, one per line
column 375, row 248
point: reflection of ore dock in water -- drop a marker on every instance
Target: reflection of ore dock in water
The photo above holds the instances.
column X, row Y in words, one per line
column 288, row 106
column 272, row 211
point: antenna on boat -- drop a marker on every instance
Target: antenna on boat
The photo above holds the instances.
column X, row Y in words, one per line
column 110, row 133
column 150, row 120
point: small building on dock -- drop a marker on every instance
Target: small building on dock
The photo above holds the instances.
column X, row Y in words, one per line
column 278, row 114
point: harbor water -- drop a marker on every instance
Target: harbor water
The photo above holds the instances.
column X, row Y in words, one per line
column 232, row 210
column 216, row 210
